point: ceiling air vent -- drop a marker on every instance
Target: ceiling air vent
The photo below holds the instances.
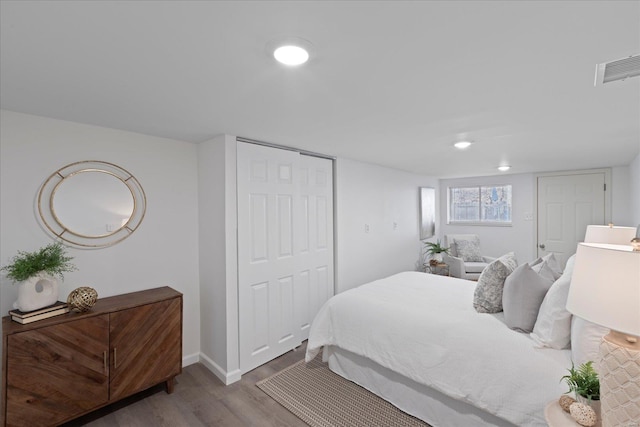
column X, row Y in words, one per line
column 617, row 70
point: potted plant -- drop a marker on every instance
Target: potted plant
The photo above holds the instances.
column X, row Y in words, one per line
column 435, row 250
column 584, row 382
column 36, row 274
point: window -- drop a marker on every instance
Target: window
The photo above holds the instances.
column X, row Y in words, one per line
column 480, row 205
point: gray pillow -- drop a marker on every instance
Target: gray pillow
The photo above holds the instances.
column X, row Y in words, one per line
column 487, row 297
column 524, row 291
column 468, row 250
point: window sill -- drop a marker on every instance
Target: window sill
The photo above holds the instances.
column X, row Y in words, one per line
column 483, row 223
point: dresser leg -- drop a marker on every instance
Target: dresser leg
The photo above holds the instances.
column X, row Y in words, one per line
column 170, row 384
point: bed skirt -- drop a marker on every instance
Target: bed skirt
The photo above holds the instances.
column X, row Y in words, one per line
column 418, row 400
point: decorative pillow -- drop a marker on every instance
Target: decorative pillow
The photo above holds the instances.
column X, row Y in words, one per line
column 535, row 261
column 523, row 293
column 553, row 263
column 544, row 270
column 468, row 250
column 487, row 297
column 585, row 341
column 553, row 326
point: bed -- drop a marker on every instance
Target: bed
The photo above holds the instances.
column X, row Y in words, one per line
column 416, row 340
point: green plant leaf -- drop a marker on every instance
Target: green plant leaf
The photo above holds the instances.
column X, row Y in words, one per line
column 51, row 259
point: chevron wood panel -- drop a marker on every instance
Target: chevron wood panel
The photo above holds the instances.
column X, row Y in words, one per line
column 145, row 346
column 57, row 369
column 57, row 372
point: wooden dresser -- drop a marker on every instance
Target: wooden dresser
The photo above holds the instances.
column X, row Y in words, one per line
column 63, row 367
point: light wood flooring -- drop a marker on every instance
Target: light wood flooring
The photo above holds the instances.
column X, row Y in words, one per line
column 201, row 399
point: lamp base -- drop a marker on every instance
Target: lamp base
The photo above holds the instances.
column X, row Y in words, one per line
column 620, row 380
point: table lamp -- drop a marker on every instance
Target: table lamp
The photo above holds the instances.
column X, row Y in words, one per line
column 605, row 289
column 611, row 234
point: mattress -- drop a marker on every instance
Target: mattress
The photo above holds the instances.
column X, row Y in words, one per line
column 423, row 328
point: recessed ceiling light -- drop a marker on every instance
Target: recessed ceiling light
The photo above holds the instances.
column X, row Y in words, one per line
column 504, row 168
column 462, row 145
column 291, row 55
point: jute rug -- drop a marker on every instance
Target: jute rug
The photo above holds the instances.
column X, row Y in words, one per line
column 324, row 399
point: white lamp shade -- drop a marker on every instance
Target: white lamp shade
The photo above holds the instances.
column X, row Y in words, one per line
column 609, row 234
column 605, row 286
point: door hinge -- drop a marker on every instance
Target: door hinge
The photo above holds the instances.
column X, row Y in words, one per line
column 605, row 187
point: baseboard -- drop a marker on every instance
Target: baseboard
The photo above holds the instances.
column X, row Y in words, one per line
column 226, row 377
column 190, row 359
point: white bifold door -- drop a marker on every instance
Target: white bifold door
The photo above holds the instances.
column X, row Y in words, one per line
column 285, row 248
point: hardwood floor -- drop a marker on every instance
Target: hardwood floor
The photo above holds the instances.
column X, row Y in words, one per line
column 200, row 399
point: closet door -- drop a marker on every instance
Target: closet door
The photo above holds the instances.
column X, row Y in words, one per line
column 268, row 246
column 315, row 275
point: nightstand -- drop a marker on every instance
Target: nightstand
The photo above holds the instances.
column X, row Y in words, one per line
column 556, row 417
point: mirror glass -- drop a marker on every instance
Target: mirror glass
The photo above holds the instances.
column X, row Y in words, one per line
column 92, row 203
column 427, row 212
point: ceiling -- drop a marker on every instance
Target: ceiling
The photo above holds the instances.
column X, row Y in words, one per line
column 390, row 83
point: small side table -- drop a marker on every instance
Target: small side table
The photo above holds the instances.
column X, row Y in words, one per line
column 556, row 417
column 441, row 268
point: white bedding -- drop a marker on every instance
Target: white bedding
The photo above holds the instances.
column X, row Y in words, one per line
column 424, row 327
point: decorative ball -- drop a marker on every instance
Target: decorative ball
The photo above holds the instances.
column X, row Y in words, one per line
column 82, row 299
column 583, row 414
column 565, row 402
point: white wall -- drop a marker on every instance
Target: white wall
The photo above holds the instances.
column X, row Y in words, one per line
column 218, row 259
column 162, row 251
column 620, row 196
column 498, row 240
column 634, row 190
column 377, row 196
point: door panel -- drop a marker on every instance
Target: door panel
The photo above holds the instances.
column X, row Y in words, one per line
column 316, row 263
column 566, row 205
column 268, row 244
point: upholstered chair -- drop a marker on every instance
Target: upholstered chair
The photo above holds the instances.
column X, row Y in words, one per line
column 469, row 245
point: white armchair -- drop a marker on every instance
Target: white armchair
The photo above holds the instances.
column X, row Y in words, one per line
column 469, row 270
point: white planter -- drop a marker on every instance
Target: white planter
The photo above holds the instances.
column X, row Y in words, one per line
column 437, row 257
column 36, row 292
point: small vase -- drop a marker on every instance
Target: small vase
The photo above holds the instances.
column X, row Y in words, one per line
column 594, row 404
column 437, row 257
column 36, row 292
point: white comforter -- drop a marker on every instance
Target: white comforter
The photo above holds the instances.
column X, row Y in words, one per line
column 424, row 327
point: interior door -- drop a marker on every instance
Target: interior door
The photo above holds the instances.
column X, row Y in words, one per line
column 268, row 245
column 315, row 275
column 566, row 205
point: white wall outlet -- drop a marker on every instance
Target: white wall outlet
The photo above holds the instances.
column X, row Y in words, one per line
column 395, row 225
column 528, row 216
column 366, row 228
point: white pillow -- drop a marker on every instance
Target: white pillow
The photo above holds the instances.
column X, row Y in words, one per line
column 545, row 270
column 524, row 291
column 585, row 342
column 553, row 325
column 553, row 263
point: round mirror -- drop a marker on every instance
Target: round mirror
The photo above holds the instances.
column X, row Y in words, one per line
column 91, row 204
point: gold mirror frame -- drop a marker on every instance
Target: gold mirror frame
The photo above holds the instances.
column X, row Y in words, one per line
column 53, row 224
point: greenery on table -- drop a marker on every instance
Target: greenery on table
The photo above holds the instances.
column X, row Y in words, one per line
column 435, row 248
column 51, row 259
column 583, row 381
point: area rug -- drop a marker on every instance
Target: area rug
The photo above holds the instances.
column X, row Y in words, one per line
column 323, row 399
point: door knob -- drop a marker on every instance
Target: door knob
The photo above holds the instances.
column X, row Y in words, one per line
column 541, row 246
